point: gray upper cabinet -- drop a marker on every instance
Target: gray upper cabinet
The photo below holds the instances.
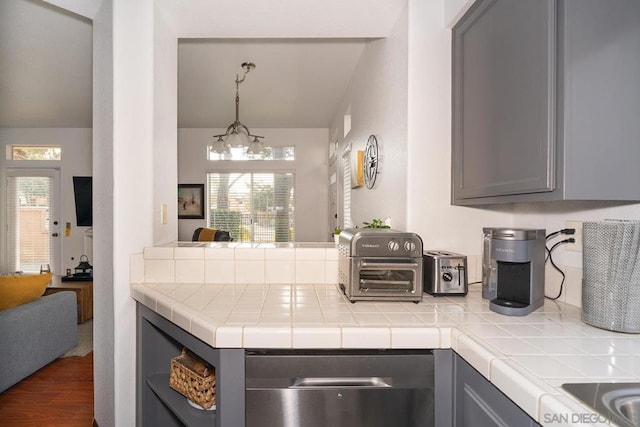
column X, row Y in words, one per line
column 546, row 101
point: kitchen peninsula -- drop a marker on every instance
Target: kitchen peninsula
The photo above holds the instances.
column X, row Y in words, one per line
column 269, row 296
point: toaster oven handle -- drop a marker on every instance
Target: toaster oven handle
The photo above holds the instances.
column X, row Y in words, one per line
column 388, row 265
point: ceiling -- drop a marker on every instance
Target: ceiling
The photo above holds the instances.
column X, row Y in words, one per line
column 296, row 82
column 45, row 66
column 46, row 69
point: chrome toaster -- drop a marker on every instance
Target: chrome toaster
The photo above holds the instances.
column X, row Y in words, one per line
column 445, row 273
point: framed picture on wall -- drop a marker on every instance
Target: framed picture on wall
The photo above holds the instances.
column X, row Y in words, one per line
column 190, row 201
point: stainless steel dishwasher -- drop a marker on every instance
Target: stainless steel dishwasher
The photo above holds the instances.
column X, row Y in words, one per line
column 345, row 388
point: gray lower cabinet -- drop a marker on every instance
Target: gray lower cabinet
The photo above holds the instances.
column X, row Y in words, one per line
column 461, row 396
column 546, row 96
column 478, row 403
column 158, row 341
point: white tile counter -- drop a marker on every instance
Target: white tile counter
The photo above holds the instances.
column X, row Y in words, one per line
column 528, row 358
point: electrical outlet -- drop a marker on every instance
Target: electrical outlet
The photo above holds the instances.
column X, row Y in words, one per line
column 577, row 246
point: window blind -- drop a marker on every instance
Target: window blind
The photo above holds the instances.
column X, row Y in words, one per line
column 29, row 204
column 346, row 161
column 253, row 207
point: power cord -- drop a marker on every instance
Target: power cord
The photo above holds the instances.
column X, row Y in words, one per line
column 563, row 231
column 550, row 257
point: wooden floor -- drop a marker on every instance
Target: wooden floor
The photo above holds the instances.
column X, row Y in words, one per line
column 60, row 394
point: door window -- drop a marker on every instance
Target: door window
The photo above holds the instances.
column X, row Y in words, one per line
column 30, row 219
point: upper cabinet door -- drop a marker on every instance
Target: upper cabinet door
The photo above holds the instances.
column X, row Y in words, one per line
column 546, row 100
column 504, row 60
column 600, row 100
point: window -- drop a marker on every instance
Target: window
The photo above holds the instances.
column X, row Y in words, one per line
column 346, row 159
column 240, row 153
column 253, row 207
column 36, row 152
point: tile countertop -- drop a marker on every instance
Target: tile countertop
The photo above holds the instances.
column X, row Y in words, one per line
column 528, row 357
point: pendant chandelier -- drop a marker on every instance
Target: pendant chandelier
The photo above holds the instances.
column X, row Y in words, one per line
column 237, row 134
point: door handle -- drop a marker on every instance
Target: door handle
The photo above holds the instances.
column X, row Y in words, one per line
column 54, row 234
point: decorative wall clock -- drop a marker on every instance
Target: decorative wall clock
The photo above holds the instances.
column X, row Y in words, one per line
column 371, row 161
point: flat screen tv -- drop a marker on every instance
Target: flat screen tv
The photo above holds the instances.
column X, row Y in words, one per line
column 83, row 193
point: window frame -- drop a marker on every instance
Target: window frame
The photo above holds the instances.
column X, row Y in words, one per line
column 11, row 152
column 291, row 217
column 249, row 157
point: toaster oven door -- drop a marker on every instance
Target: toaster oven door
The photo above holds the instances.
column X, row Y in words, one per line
column 385, row 276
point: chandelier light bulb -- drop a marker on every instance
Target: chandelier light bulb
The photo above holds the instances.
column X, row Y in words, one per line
column 238, row 138
column 220, row 147
column 256, row 147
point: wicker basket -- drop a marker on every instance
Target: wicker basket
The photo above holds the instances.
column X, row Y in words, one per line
column 193, row 378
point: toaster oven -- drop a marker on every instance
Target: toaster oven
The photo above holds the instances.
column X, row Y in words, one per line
column 380, row 264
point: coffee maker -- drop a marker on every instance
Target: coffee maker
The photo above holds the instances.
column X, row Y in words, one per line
column 517, row 256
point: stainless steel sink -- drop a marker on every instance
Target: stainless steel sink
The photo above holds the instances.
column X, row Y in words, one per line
column 619, row 402
column 625, row 403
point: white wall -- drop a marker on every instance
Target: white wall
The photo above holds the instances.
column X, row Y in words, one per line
column 377, row 101
column 165, row 152
column 86, row 8
column 282, row 18
column 454, row 9
column 310, row 168
column 76, row 161
column 552, row 217
column 134, row 175
column 430, row 214
column 104, row 316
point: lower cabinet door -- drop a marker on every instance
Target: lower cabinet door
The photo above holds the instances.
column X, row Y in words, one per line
column 342, row 388
column 479, row 403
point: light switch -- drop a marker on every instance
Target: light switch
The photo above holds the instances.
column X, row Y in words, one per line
column 163, row 213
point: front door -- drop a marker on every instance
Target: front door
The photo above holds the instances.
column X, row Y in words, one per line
column 33, row 242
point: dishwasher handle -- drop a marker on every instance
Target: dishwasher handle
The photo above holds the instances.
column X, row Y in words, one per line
column 342, row 382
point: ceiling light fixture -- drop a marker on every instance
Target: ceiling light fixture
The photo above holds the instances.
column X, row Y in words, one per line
column 237, row 134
